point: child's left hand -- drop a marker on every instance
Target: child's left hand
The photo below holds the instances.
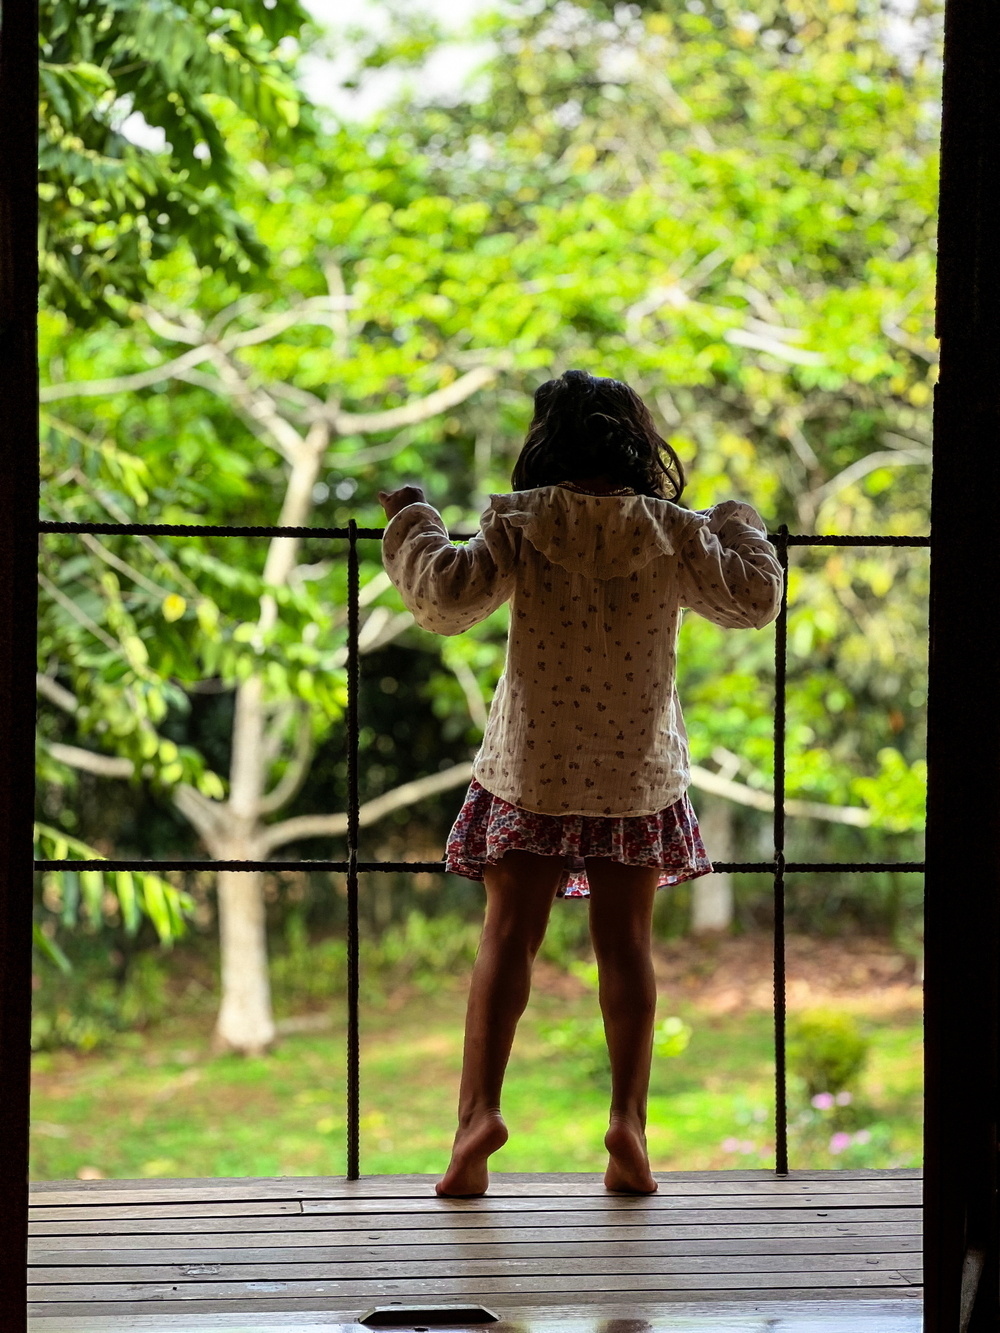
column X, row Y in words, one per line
column 393, row 501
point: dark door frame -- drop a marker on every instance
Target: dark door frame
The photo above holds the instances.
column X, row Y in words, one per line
column 962, row 895
column 18, row 603
column 962, row 902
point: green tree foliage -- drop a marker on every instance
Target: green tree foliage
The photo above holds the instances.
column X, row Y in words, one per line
column 110, row 206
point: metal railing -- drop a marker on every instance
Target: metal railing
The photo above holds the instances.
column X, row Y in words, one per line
column 777, row 867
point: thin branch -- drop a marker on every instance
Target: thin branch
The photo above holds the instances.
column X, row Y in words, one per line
column 377, row 453
column 56, row 693
column 895, row 440
column 339, row 325
column 81, row 617
column 109, row 557
column 224, row 317
column 319, row 306
column 792, row 430
column 143, row 379
column 773, row 346
column 861, row 468
column 699, row 132
column 419, row 409
column 209, row 818
column 322, row 306
column 295, row 772
column 718, row 785
column 381, row 627
column 120, row 516
column 673, row 295
column 473, row 694
column 257, row 406
column 88, row 761
column 335, row 826
column 910, row 344
column 190, row 329
column 275, row 730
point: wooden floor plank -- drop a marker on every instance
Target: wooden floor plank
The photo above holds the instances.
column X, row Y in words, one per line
column 65, row 1204
column 427, row 1208
column 527, row 1314
column 575, row 1237
column 645, row 1204
column 480, row 1223
column 611, row 1268
column 552, row 1253
column 219, row 1208
column 503, row 1183
column 480, row 1289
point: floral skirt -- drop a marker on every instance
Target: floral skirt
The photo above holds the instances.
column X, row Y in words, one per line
column 487, row 827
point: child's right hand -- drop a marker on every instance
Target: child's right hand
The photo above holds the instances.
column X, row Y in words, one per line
column 393, row 501
column 727, row 509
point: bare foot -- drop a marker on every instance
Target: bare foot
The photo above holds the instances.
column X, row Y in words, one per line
column 628, row 1171
column 467, row 1173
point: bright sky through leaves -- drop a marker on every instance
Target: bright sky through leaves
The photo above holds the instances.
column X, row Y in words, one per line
column 445, row 72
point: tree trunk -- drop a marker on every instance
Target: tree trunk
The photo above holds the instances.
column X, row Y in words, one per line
column 245, row 1021
column 712, row 896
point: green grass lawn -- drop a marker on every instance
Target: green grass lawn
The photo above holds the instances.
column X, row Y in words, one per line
column 158, row 1103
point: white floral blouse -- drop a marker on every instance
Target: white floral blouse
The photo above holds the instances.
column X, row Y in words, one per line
column 586, row 719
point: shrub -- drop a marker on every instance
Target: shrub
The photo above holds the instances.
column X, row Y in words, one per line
column 827, row 1050
column 582, row 1040
column 85, row 1008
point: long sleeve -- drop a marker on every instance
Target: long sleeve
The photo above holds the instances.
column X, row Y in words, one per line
column 728, row 571
column 448, row 588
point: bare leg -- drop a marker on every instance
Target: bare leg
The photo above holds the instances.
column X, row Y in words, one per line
column 519, row 893
column 621, row 915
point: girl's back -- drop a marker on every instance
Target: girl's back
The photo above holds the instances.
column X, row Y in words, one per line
column 585, row 719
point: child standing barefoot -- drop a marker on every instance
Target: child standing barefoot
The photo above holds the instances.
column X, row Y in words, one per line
column 579, row 787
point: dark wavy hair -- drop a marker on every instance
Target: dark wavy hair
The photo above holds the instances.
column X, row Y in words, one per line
column 588, row 426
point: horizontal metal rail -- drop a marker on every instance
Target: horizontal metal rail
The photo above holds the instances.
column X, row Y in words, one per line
column 229, row 530
column 438, row 867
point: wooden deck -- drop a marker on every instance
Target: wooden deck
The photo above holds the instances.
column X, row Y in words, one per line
column 730, row 1252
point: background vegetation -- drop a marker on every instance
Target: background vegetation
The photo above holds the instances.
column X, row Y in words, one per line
column 272, row 315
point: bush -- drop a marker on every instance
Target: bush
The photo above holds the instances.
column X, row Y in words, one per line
column 582, row 1040
column 567, row 937
column 423, row 949
column 305, row 973
column 84, row 1009
column 826, row 1050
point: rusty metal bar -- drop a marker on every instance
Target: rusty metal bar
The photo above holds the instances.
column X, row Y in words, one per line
column 353, row 941
column 780, row 702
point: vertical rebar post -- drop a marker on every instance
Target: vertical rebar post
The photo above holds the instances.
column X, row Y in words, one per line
column 780, row 678
column 353, row 943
